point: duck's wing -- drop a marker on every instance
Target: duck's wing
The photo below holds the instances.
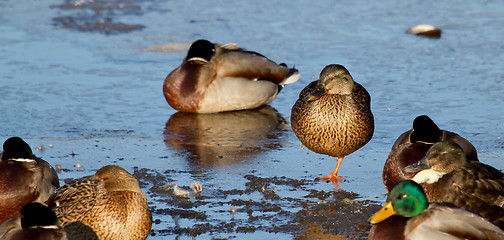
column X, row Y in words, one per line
column 76, row 197
column 445, row 222
column 239, row 63
column 478, row 188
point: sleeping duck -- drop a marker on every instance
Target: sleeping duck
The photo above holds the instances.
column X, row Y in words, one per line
column 414, row 218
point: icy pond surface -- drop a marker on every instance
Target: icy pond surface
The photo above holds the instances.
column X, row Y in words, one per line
column 81, row 82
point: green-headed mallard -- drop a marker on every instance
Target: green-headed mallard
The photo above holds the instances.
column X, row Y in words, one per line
column 217, row 78
column 424, row 220
column 448, row 176
column 24, row 178
column 333, row 116
column 412, row 145
column 35, row 222
column 106, row 205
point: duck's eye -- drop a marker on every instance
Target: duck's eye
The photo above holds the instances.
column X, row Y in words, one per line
column 402, row 196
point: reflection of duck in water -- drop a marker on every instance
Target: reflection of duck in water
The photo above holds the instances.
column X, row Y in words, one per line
column 224, row 138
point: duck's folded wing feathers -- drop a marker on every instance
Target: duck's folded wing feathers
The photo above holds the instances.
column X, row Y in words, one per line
column 445, row 222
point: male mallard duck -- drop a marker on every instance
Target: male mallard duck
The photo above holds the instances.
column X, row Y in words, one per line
column 35, row 221
column 333, row 116
column 412, row 145
column 218, row 78
column 106, row 205
column 448, row 176
column 24, row 178
column 421, row 220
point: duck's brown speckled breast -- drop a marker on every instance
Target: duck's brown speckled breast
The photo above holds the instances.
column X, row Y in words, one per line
column 335, row 125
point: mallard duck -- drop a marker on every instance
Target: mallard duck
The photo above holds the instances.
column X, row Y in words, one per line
column 35, row 221
column 218, row 78
column 106, row 205
column 412, row 145
column 24, row 178
column 333, row 116
column 448, row 176
column 424, row 220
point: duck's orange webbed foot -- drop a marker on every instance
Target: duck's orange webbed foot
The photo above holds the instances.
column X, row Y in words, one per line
column 333, row 178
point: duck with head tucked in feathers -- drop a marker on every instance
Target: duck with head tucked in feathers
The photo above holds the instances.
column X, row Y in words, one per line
column 218, row 78
column 333, row 116
column 35, row 222
column 412, row 145
column 24, row 178
column 446, row 175
column 420, row 219
column 107, row 205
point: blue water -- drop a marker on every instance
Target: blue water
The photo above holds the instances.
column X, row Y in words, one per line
column 99, row 95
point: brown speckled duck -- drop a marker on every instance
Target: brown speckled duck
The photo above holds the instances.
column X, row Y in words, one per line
column 412, row 145
column 24, row 178
column 35, row 222
column 446, row 175
column 106, row 205
column 333, row 116
column 218, row 78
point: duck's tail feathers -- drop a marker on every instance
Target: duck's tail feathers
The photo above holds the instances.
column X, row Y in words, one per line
column 292, row 77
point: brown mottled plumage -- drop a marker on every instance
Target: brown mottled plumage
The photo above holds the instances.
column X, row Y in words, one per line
column 24, row 178
column 107, row 205
column 333, row 115
column 446, row 175
column 217, row 78
column 412, row 145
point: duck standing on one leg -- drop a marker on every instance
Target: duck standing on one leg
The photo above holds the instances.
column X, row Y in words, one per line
column 333, row 116
column 218, row 78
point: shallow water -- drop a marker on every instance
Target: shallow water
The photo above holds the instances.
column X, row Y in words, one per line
column 81, row 82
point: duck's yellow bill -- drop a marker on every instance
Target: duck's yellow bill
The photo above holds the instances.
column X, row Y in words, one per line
column 384, row 213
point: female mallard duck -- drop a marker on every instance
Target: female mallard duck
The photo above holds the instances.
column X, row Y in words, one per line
column 106, row 205
column 35, row 221
column 412, row 145
column 421, row 220
column 218, row 78
column 24, row 178
column 333, row 116
column 448, row 176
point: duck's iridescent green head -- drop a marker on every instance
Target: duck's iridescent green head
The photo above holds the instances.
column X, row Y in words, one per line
column 406, row 199
column 201, row 50
column 425, row 130
column 15, row 147
column 36, row 214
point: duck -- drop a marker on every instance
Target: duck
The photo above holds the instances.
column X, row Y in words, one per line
column 333, row 116
column 413, row 218
column 36, row 221
column 106, row 205
column 446, row 175
column 221, row 78
column 24, row 178
column 412, row 145
column 425, row 30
